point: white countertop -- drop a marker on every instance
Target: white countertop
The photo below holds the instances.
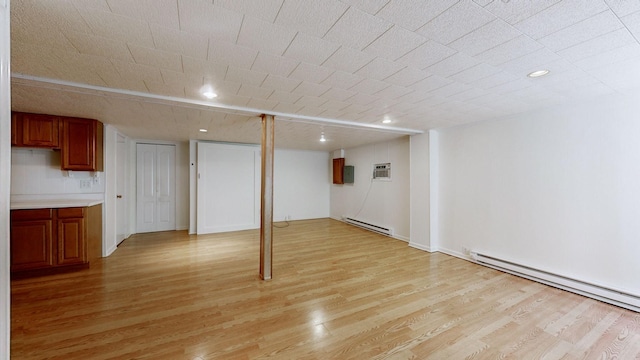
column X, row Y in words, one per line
column 53, row 203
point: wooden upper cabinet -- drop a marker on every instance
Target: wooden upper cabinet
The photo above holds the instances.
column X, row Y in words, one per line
column 35, row 130
column 82, row 145
column 338, row 169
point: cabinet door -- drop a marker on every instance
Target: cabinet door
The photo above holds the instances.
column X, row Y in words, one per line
column 16, row 131
column 338, row 167
column 72, row 237
column 40, row 130
column 31, row 244
column 81, row 145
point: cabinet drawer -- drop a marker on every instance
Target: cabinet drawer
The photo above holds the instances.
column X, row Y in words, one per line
column 65, row 213
column 31, row 214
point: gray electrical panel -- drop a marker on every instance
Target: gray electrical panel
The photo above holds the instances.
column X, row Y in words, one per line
column 348, row 174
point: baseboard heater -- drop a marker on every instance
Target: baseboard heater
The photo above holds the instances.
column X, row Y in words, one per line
column 612, row 296
column 372, row 227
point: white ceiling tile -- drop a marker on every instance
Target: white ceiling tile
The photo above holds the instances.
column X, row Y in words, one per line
column 311, row 73
column 559, row 16
column 310, row 89
column 450, row 90
column 536, row 60
column 516, row 11
column 426, row 55
column 452, row 65
column 335, row 105
column 117, row 27
column 412, row 14
column 163, row 12
column 370, row 6
column 207, row 19
column 284, row 97
column 413, row 97
column 274, row 64
column 485, row 38
column 128, row 70
column 276, row 82
column 622, row 76
column 310, row 49
column 265, row 36
column 312, row 101
column 512, row 49
column 338, row 94
column 632, row 22
column 395, row 43
column 207, row 69
column 342, row 80
column 363, row 99
column 164, row 89
column 518, row 84
column 245, row 76
column 407, row 76
column 309, row 110
column 348, row 60
column 430, row 83
column 189, row 44
column 312, row 17
column 582, row 31
column 287, row 109
column 231, row 54
column 85, row 44
column 393, row 92
column 253, row 91
column 471, row 93
column 595, row 46
column 357, row 29
column 379, row 69
column 156, row 58
column 369, row 86
column 607, row 58
column 475, row 73
column 623, row 7
column 494, row 80
column 263, row 9
column 457, row 21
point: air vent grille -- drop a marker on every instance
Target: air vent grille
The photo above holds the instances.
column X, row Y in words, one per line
column 382, row 171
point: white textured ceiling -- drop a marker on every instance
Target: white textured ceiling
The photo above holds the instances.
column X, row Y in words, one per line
column 422, row 64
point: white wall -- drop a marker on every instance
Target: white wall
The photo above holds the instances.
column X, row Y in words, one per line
column 384, row 203
column 419, row 190
column 556, row 190
column 301, row 184
column 5, row 178
column 37, row 172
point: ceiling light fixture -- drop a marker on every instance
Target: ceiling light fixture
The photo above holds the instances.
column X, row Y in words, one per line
column 538, row 73
column 203, row 130
column 322, row 138
column 209, row 94
column 386, row 121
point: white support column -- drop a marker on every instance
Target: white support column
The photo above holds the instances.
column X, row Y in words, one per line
column 5, row 177
column 266, row 199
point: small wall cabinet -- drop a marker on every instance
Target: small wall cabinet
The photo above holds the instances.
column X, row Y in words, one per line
column 80, row 141
column 338, row 169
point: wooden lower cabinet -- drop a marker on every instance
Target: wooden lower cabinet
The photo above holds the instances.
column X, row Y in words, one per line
column 48, row 240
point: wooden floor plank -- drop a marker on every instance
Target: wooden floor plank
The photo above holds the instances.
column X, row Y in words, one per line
column 338, row 292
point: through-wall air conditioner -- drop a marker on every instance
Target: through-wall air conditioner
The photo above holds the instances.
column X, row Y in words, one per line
column 382, row 171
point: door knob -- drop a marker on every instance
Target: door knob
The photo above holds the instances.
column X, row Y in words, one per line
column 119, row 196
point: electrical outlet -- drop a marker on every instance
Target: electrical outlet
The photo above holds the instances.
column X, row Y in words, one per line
column 466, row 250
column 85, row 184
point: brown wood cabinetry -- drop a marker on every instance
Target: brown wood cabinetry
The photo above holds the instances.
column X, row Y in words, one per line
column 338, row 168
column 31, row 239
column 81, row 145
column 35, row 130
column 46, row 240
column 80, row 140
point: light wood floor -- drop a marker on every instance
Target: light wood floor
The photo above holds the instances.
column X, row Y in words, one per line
column 338, row 292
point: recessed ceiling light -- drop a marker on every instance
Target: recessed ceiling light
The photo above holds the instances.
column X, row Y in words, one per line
column 209, row 94
column 203, row 130
column 386, row 121
column 322, row 138
column 538, row 73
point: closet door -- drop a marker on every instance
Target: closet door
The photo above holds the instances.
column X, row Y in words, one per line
column 155, row 187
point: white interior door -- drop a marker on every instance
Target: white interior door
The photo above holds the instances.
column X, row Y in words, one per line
column 228, row 188
column 122, row 210
column 155, row 187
